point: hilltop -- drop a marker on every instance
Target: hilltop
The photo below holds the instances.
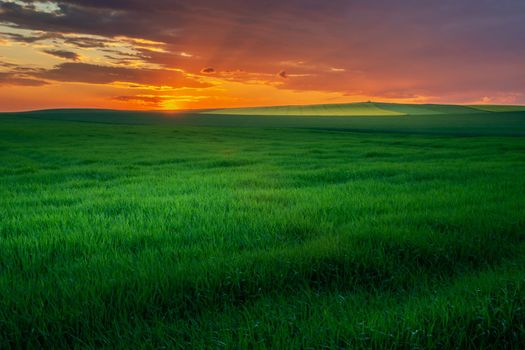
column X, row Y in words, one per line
column 366, row 109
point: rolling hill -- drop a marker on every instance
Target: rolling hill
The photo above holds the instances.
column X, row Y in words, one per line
column 365, row 109
column 353, row 117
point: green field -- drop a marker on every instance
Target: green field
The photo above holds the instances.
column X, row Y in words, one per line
column 353, row 109
column 365, row 109
column 410, row 119
column 493, row 108
column 149, row 230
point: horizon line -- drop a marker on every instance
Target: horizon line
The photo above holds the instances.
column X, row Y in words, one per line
column 243, row 107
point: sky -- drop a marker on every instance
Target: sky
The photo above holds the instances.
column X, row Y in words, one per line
column 182, row 54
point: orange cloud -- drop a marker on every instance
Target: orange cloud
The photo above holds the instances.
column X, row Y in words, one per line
column 68, row 55
column 95, row 74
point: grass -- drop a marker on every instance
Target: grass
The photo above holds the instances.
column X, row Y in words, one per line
column 364, row 109
column 429, row 109
column 178, row 233
column 495, row 108
column 352, row 109
column 438, row 120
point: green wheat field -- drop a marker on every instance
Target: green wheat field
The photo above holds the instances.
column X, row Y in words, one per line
column 336, row 226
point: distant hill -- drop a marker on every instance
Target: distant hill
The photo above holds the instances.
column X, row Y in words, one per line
column 352, row 117
column 365, row 109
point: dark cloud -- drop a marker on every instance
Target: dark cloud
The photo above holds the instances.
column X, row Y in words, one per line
column 8, row 78
column 153, row 101
column 29, row 39
column 208, row 70
column 87, row 42
column 119, row 61
column 81, row 17
column 7, row 64
column 283, row 74
column 78, row 41
column 94, row 74
column 68, row 55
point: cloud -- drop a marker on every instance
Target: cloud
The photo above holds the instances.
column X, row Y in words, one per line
column 283, row 74
column 71, row 39
column 87, row 42
column 8, row 64
column 158, row 101
column 29, row 39
column 8, row 78
column 208, row 70
column 149, row 100
column 96, row 74
column 68, row 55
column 86, row 17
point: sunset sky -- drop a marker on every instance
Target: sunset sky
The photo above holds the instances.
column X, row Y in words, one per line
column 174, row 54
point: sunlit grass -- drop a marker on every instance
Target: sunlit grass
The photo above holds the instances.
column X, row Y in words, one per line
column 364, row 109
column 352, row 109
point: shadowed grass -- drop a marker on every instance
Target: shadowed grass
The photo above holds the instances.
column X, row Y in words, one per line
column 495, row 108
